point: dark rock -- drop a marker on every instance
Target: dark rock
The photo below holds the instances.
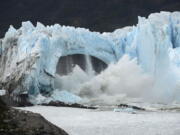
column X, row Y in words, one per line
column 24, row 100
column 20, row 100
column 18, row 122
column 62, row 104
column 131, row 106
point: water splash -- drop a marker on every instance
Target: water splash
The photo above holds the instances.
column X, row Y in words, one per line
column 124, row 81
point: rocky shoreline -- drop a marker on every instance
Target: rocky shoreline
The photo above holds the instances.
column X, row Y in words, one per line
column 18, row 122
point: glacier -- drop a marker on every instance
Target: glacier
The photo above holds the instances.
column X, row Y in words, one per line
column 29, row 57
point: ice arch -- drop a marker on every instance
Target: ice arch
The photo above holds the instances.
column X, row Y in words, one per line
column 35, row 51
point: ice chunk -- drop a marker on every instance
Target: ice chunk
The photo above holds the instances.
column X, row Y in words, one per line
column 57, row 95
column 65, row 96
column 2, row 92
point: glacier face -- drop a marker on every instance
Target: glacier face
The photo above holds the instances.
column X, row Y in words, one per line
column 29, row 55
column 43, row 46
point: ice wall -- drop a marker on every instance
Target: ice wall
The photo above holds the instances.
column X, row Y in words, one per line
column 150, row 40
column 29, row 55
column 154, row 41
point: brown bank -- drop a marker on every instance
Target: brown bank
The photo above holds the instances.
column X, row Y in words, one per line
column 18, row 122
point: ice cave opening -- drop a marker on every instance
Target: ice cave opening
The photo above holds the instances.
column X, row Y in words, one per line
column 67, row 63
column 74, row 70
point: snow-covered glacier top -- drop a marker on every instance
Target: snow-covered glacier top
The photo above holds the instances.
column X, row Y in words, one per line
column 29, row 55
